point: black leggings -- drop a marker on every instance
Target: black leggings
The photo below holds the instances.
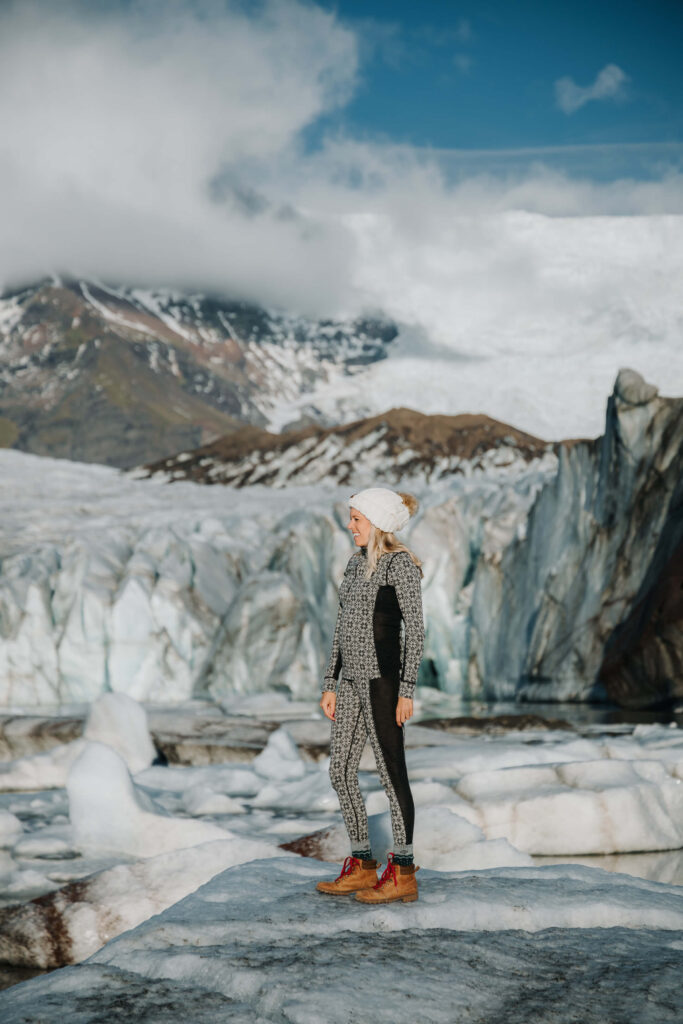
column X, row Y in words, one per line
column 367, row 708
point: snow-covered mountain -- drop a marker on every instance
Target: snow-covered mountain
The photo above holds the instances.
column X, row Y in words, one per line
column 553, row 578
column 122, row 376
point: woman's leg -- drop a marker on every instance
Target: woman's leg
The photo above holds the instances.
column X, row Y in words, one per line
column 380, row 697
column 349, row 733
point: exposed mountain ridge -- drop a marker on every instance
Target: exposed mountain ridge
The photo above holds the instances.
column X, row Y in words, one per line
column 392, row 447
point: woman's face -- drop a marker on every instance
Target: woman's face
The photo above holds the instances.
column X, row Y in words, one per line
column 359, row 525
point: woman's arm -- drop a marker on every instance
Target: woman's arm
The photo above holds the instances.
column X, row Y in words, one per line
column 334, row 664
column 405, row 577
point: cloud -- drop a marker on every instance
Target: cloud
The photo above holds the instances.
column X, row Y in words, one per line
column 389, row 42
column 609, row 84
column 164, row 144
column 117, row 121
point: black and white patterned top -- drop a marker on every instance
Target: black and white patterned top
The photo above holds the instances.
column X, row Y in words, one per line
column 353, row 645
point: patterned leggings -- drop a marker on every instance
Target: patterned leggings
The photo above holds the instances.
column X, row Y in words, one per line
column 368, row 708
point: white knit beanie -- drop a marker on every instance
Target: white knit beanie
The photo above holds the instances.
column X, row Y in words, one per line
column 383, row 507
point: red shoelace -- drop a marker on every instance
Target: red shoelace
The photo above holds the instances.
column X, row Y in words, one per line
column 389, row 872
column 349, row 865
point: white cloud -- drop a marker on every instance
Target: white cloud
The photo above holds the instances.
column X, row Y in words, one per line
column 609, row 84
column 115, row 124
column 164, row 146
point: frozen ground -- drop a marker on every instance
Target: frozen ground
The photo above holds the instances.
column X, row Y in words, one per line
column 92, row 851
column 258, row 944
column 178, row 892
column 590, row 789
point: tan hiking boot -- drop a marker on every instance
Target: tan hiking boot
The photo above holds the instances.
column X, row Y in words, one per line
column 355, row 875
column 398, row 882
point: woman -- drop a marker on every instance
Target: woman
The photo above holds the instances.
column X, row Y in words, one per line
column 373, row 696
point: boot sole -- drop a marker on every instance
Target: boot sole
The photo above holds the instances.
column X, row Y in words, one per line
column 395, row 899
column 352, row 893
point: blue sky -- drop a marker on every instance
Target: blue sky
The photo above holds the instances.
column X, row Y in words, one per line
column 483, row 77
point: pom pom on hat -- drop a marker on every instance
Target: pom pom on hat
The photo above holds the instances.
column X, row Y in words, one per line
column 383, row 507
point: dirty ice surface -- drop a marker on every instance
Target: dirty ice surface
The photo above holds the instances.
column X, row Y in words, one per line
column 258, row 943
column 105, row 839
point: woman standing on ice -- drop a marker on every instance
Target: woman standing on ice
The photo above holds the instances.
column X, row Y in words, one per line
column 374, row 695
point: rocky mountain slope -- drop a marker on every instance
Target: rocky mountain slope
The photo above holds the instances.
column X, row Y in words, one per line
column 123, row 376
column 396, row 446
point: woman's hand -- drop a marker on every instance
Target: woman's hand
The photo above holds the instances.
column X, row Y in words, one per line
column 404, row 710
column 328, row 703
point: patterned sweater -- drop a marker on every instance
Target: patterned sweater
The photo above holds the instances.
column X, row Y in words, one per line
column 361, row 620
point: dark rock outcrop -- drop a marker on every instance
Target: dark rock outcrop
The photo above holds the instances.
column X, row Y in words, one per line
column 587, row 604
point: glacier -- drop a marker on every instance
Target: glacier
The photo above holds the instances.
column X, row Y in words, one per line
column 172, row 592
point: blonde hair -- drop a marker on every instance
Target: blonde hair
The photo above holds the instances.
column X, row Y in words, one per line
column 381, row 541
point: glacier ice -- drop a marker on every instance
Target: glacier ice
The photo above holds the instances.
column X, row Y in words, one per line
column 114, row 719
column 168, row 592
column 539, row 942
column 109, row 812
